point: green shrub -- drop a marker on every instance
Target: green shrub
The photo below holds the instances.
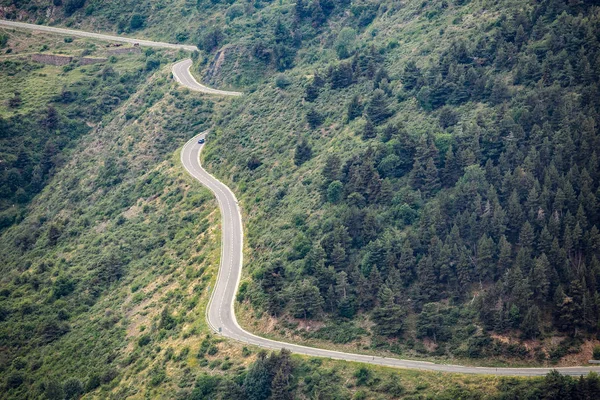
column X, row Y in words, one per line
column 144, row 340
column 70, row 6
column 137, row 21
column 282, row 81
column 363, row 376
column 72, row 388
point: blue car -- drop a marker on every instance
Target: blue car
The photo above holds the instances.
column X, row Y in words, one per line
column 201, row 141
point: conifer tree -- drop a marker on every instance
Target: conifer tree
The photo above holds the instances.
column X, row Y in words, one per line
column 378, row 109
column 303, row 153
column 431, row 180
column 389, row 317
column 354, row 108
column 369, row 131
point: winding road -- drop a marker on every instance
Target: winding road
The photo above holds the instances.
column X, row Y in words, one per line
column 220, row 311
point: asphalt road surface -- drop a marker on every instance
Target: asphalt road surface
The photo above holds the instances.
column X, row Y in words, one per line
column 181, row 73
column 220, row 313
column 109, row 38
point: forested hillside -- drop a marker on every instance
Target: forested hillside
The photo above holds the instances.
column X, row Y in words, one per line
column 443, row 192
column 417, row 178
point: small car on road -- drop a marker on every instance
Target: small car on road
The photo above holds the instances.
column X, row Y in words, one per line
column 201, row 140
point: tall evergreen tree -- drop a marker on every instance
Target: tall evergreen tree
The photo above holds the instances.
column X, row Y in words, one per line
column 378, row 109
column 354, row 108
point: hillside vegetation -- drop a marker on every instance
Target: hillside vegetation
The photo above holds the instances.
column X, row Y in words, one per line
column 107, row 271
column 427, row 184
column 417, row 178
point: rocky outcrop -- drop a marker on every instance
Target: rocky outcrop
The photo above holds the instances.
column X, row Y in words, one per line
column 217, row 63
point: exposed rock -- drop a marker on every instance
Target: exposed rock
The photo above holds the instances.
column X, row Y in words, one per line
column 218, row 60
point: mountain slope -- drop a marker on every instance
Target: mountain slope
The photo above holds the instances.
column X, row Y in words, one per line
column 442, row 192
column 424, row 184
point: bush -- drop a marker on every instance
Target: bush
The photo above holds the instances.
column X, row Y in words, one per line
column 73, row 5
column 14, row 380
column 314, row 118
column 282, row 81
column 303, row 153
column 15, row 101
column 212, row 350
column 596, row 353
column 137, row 21
column 152, row 63
column 236, row 10
column 72, row 388
column 144, row 340
column 92, row 383
column 363, row 376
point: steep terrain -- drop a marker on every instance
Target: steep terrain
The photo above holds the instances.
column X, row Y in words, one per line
column 425, row 184
column 436, row 187
column 108, row 270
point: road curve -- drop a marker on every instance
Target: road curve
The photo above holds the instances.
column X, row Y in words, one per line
column 182, row 74
column 220, row 313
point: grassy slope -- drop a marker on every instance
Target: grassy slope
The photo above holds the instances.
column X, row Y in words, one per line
column 127, row 196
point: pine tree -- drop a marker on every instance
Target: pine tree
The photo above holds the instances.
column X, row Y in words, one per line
column 338, row 256
column 463, row 269
column 539, row 277
column 520, row 37
column 280, row 386
column 378, row 110
column 514, row 215
column 311, row 93
column 417, row 174
column 257, row 384
column 389, row 132
column 354, row 108
column 389, row 317
column 406, row 264
column 300, row 10
column 411, row 76
column 429, row 290
column 303, row 153
column 316, row 14
column 431, row 180
column 526, row 236
column 341, row 76
column 451, row 170
column 314, row 118
column 369, row 131
column 306, row 300
column 530, row 327
column 431, row 324
column 485, row 254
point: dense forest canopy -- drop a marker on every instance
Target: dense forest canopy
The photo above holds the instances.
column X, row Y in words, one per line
column 488, row 217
